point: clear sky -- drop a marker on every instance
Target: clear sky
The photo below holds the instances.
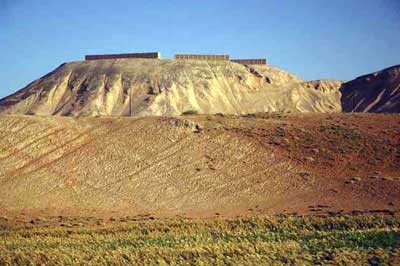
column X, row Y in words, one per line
column 314, row 39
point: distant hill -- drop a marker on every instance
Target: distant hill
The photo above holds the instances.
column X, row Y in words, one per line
column 378, row 92
column 143, row 87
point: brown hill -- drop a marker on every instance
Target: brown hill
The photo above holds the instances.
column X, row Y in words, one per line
column 378, row 92
column 199, row 165
column 144, row 87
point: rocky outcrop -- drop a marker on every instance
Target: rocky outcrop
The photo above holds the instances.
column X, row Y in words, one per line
column 184, row 123
column 144, row 87
column 378, row 92
column 326, row 86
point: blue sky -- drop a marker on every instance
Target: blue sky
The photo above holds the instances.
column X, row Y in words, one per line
column 314, row 39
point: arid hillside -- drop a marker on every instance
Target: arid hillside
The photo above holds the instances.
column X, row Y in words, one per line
column 146, row 87
column 378, row 92
column 200, row 166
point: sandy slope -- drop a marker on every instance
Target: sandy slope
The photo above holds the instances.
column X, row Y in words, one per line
column 200, row 165
column 143, row 87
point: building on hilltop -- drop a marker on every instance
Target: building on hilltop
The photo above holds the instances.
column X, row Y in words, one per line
column 202, row 57
column 157, row 55
column 261, row 61
column 153, row 55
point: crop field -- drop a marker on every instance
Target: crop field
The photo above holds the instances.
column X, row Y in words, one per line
column 259, row 240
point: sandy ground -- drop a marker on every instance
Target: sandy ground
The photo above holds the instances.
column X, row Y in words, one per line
column 198, row 166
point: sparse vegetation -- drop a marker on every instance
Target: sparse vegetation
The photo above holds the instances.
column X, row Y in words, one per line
column 280, row 132
column 289, row 240
column 346, row 133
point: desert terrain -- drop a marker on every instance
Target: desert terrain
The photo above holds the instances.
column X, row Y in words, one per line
column 200, row 165
column 174, row 133
column 168, row 162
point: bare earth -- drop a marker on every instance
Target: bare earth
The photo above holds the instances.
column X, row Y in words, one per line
column 199, row 166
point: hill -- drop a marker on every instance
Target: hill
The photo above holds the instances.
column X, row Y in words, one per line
column 378, row 92
column 144, row 87
column 199, row 166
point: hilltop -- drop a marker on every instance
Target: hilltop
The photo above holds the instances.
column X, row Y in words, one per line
column 148, row 87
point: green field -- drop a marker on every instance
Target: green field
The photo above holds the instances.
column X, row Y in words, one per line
column 261, row 240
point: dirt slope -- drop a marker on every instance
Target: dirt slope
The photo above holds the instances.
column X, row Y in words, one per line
column 143, row 87
column 378, row 92
column 200, row 165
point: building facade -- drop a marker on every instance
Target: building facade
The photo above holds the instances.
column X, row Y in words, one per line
column 261, row 61
column 201, row 57
column 154, row 55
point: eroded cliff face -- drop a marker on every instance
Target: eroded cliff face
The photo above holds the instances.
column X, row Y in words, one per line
column 378, row 92
column 144, row 87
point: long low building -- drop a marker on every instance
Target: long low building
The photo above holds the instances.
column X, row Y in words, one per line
column 153, row 55
column 157, row 55
column 209, row 57
column 261, row 61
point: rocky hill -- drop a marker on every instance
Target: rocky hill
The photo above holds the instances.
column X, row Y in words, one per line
column 143, row 87
column 378, row 92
